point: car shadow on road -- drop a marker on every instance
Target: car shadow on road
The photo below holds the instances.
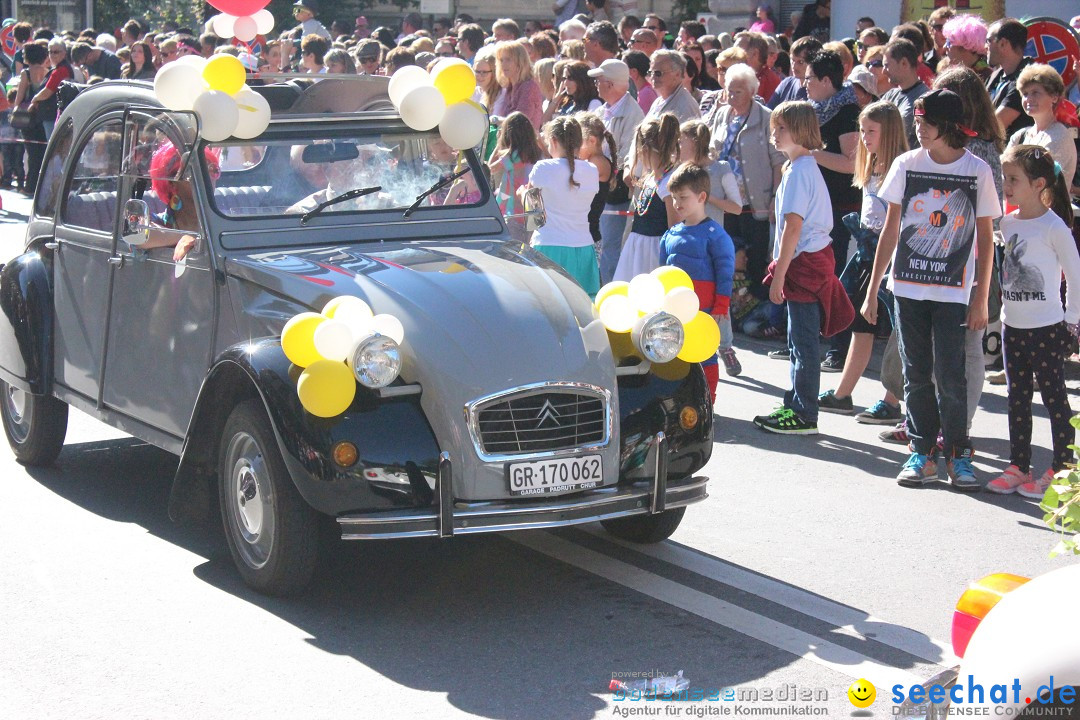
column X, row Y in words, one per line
column 501, row 629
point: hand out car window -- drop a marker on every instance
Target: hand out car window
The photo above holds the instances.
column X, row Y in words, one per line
column 92, row 189
column 292, row 177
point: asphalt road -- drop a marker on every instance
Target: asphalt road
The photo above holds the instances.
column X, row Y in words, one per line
column 807, row 567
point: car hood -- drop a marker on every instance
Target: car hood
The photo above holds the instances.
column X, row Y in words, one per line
column 480, row 317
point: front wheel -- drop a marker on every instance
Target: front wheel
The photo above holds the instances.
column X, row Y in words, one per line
column 271, row 531
column 645, row 529
column 35, row 425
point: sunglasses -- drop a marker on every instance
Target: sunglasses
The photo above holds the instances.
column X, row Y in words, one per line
column 875, row 64
column 656, row 73
column 446, row 54
column 481, row 72
column 938, row 27
column 369, row 61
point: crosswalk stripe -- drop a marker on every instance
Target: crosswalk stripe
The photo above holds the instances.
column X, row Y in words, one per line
column 801, row 644
column 847, row 620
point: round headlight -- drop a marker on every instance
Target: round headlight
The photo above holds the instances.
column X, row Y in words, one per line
column 658, row 336
column 376, row 361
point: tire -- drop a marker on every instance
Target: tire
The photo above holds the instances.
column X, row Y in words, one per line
column 646, row 529
column 271, row 531
column 35, row 425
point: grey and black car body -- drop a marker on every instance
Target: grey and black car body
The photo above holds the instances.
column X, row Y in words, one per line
column 513, row 409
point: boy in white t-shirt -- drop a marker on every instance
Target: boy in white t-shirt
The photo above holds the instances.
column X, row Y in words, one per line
column 938, row 236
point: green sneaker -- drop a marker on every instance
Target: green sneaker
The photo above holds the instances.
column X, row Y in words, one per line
column 785, row 421
column 829, row 401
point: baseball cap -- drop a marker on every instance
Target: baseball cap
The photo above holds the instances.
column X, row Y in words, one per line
column 865, row 79
column 368, row 49
column 943, row 106
column 613, row 70
column 312, row 5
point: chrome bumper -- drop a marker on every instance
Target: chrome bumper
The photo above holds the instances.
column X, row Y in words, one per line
column 449, row 518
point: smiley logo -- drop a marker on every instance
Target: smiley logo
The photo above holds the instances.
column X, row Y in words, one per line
column 862, row 693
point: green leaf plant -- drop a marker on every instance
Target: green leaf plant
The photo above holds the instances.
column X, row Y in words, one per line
column 1062, row 506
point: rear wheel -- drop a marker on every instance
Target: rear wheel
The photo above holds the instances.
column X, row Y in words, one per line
column 271, row 531
column 646, row 528
column 35, row 425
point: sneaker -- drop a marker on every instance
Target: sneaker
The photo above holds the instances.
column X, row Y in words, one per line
column 833, row 364
column 961, row 473
column 1007, row 482
column 731, row 363
column 785, row 421
column 781, row 354
column 897, row 435
column 829, row 401
column 881, row 413
column 1035, row 490
column 917, row 471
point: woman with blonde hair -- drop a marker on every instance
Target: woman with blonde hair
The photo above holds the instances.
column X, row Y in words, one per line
column 487, row 83
column 1042, row 89
column 572, row 50
column 544, row 72
column 520, row 92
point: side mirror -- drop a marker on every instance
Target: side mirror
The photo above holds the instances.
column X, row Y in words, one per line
column 535, row 215
column 136, row 229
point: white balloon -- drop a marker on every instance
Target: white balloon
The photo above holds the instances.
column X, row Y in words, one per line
column 646, row 293
column 683, row 303
column 218, row 114
column 617, row 314
column 404, row 80
column 177, row 86
column 422, row 108
column 333, row 340
column 254, row 113
column 223, row 24
column 464, row 125
column 389, row 326
column 245, row 28
column 196, row 61
column 264, row 21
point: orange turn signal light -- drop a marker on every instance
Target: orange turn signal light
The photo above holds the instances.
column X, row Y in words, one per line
column 688, row 418
column 345, row 454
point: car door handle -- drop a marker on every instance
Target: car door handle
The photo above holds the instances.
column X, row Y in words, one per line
column 52, row 246
column 117, row 260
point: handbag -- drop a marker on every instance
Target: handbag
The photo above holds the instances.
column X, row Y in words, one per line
column 22, row 117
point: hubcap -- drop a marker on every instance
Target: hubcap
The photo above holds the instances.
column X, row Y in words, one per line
column 15, row 405
column 250, row 500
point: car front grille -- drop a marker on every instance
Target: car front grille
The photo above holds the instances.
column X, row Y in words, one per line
column 541, row 421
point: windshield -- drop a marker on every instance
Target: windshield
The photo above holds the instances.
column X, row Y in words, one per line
column 295, row 176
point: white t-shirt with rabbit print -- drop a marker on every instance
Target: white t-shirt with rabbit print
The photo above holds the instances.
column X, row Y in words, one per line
column 1036, row 253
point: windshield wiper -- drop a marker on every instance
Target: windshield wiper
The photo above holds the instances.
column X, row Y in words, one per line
column 351, row 195
column 434, row 189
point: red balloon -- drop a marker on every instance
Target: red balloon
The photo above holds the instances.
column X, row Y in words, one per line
column 239, row 7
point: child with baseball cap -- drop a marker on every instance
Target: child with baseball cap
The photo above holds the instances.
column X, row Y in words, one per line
column 938, row 236
column 305, row 11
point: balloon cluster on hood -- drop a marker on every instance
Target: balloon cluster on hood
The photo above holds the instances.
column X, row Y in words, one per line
column 242, row 19
column 441, row 98
column 325, row 343
column 666, row 289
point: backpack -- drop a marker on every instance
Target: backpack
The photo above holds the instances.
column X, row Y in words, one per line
column 67, row 92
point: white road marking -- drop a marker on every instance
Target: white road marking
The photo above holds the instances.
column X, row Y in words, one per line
column 847, row 620
column 759, row 627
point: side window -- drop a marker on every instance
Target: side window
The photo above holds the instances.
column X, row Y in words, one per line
column 95, row 179
column 52, row 173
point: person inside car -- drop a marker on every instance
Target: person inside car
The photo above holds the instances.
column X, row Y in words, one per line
column 181, row 207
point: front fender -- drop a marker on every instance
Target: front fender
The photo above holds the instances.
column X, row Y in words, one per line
column 398, row 454
column 26, row 325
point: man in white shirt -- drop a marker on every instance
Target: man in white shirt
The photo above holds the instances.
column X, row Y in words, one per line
column 667, row 71
column 621, row 115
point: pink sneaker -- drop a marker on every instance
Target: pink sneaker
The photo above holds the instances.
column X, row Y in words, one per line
column 1035, row 490
column 1008, row 481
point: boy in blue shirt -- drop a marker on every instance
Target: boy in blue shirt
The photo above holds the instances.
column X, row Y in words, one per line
column 700, row 246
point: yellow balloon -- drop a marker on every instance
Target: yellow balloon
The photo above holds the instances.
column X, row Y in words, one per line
column 298, row 338
column 622, row 347
column 326, row 388
column 702, row 339
column 672, row 277
column 616, row 287
column 674, row 370
column 225, row 72
column 454, row 79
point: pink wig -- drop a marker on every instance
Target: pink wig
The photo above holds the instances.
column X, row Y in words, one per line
column 967, row 31
column 163, row 166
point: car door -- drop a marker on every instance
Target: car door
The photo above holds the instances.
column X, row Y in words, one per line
column 161, row 331
column 84, row 236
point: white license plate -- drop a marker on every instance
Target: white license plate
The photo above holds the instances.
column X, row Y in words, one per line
column 543, row 477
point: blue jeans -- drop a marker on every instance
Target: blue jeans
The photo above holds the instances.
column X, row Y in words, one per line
column 612, row 229
column 804, row 335
column 931, row 339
